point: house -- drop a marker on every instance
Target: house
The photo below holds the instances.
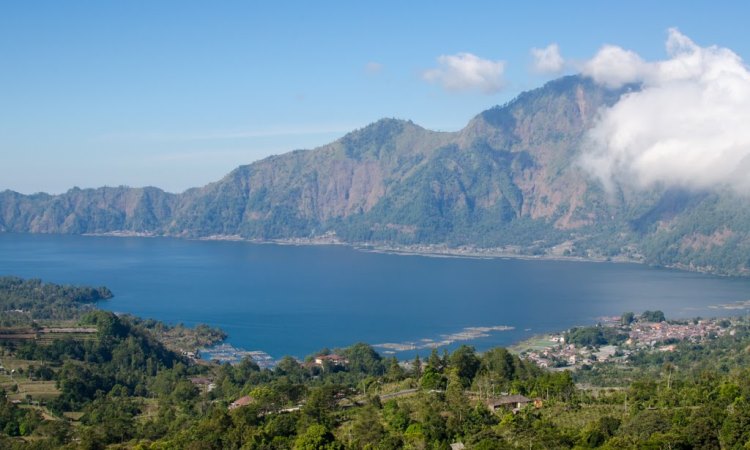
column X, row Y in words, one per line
column 200, row 381
column 203, row 383
column 508, row 402
column 334, row 360
column 240, row 402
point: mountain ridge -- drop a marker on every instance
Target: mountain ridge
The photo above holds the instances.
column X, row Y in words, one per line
column 509, row 179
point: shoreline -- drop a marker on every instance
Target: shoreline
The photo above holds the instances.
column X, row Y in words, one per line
column 425, row 250
column 534, row 343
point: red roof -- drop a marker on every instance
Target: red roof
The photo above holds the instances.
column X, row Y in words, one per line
column 242, row 401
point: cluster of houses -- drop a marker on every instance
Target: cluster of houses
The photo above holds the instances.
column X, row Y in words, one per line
column 658, row 335
column 648, row 333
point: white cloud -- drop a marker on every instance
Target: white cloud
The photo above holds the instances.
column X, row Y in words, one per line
column 614, row 66
column 687, row 126
column 373, row 67
column 547, row 60
column 465, row 71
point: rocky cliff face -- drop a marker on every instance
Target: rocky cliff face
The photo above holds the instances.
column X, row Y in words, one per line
column 510, row 178
column 86, row 211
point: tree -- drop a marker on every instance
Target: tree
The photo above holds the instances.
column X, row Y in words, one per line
column 367, row 428
column 417, row 367
column 498, row 363
column 597, row 432
column 669, row 369
column 434, row 361
column 645, row 423
column 266, row 398
column 396, row 417
column 184, row 392
column 363, row 360
column 653, row 316
column 320, row 403
column 107, row 324
column 114, row 415
column 395, row 372
column 594, row 336
column 702, row 430
column 458, row 404
column 432, row 421
column 414, row 436
column 316, row 437
column 432, row 380
column 466, row 364
column 735, row 431
column 289, row 367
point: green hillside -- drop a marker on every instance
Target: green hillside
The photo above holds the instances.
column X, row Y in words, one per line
column 121, row 388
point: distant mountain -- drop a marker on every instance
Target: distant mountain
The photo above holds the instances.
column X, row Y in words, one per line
column 508, row 181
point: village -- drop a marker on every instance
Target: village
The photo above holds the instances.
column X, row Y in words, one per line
column 555, row 351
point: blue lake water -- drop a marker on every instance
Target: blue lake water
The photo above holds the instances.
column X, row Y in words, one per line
column 294, row 300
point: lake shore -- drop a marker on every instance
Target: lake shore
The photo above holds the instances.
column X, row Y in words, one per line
column 427, row 250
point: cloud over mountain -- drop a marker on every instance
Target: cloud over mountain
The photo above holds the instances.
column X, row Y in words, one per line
column 547, row 60
column 687, row 124
column 465, row 71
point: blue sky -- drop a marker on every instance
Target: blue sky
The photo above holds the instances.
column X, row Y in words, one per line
column 177, row 94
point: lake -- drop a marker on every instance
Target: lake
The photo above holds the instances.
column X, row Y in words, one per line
column 294, row 300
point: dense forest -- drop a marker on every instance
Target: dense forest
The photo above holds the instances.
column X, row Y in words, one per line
column 121, row 387
column 22, row 301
